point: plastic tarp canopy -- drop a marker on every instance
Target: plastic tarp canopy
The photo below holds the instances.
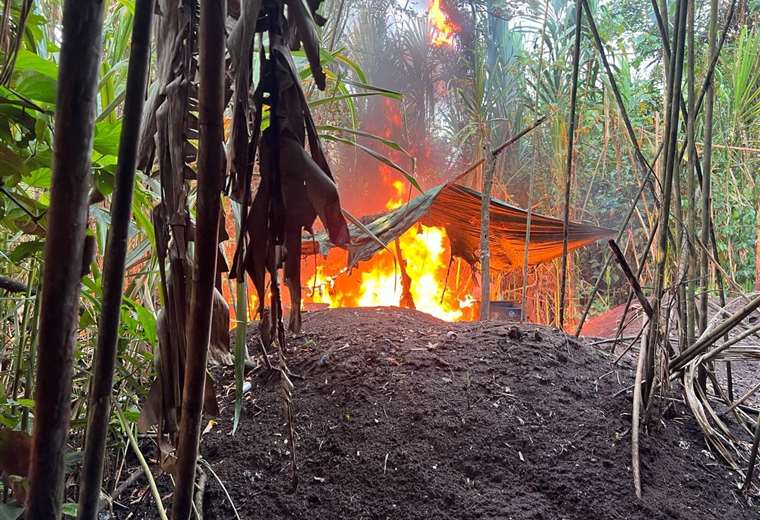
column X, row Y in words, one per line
column 457, row 209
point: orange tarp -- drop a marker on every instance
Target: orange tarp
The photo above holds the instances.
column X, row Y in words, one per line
column 457, row 209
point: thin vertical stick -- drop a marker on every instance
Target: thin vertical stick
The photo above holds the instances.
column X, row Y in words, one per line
column 485, row 221
column 531, row 175
column 76, row 107
column 210, row 169
column 113, row 269
column 143, row 464
column 636, row 419
column 707, row 170
column 569, row 164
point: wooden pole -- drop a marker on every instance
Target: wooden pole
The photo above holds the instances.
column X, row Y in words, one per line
column 210, row 178
column 485, row 248
column 632, row 280
column 569, row 164
column 101, row 387
column 531, row 180
column 76, row 106
column 691, row 211
column 707, row 172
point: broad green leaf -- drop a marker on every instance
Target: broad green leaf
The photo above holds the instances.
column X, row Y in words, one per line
column 42, row 158
column 129, row 4
column 69, row 509
column 26, row 403
column 39, row 178
column 342, row 97
column 29, row 61
column 106, row 139
column 36, row 86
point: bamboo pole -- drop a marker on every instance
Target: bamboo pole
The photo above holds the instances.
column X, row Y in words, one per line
column 638, row 403
column 531, row 180
column 101, row 386
column 632, row 279
column 645, row 255
column 671, row 134
column 707, row 171
column 642, row 162
column 76, row 106
column 691, row 213
column 569, row 163
column 485, row 248
column 210, row 171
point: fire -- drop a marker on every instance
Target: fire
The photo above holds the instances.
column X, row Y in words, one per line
column 443, row 28
column 379, row 281
column 397, row 200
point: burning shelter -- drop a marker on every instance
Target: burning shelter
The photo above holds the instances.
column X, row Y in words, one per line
column 451, row 213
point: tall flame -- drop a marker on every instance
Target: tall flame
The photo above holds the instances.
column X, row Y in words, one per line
column 443, row 28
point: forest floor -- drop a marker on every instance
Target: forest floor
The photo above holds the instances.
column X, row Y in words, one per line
column 402, row 416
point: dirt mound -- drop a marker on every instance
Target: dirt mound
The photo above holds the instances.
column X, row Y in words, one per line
column 401, row 416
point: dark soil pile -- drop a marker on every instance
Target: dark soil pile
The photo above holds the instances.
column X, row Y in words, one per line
column 401, row 416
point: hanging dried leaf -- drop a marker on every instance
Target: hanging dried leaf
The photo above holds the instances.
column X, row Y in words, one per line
column 300, row 16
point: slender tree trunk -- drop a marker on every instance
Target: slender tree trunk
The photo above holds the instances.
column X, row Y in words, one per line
column 101, row 387
column 210, row 178
column 671, row 134
column 531, row 175
column 691, row 180
column 485, row 221
column 67, row 222
column 569, row 163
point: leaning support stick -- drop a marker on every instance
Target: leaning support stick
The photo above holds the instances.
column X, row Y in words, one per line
column 620, row 259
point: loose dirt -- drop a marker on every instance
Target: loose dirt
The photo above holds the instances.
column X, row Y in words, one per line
column 401, row 416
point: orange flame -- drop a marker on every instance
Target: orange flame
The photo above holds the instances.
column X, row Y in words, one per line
column 398, row 197
column 378, row 281
column 443, row 28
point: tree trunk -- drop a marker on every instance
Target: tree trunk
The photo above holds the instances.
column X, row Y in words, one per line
column 690, row 250
column 67, row 221
column 99, row 407
column 210, row 178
